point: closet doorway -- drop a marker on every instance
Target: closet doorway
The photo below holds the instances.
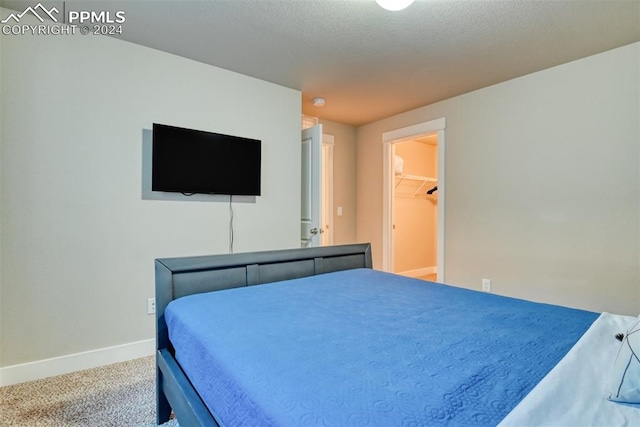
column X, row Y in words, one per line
column 415, row 207
column 413, row 200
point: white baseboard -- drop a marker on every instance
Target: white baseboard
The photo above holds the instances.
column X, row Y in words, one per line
column 75, row 362
column 419, row 272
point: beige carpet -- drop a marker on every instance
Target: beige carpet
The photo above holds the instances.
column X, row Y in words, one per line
column 122, row 394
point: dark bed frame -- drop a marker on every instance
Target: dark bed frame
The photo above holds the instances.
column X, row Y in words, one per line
column 178, row 277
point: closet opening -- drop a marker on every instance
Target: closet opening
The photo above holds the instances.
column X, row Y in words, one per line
column 415, row 207
column 413, row 220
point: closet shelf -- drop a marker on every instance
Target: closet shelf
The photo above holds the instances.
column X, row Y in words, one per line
column 419, row 178
column 403, row 176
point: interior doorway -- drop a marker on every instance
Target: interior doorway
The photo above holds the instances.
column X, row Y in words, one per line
column 415, row 204
column 316, row 213
column 328, row 142
column 433, row 129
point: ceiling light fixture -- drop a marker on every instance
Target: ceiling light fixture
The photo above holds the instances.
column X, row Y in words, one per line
column 394, row 5
column 318, row 102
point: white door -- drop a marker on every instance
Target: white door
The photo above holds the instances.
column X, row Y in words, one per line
column 311, row 209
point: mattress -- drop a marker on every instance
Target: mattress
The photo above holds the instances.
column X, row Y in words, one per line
column 575, row 392
column 366, row 348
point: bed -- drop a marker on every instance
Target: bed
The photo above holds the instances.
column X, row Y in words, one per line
column 326, row 340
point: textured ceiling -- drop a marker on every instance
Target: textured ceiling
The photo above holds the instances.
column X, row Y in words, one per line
column 369, row 63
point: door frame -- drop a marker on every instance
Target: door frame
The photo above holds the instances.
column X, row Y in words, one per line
column 328, row 142
column 388, row 188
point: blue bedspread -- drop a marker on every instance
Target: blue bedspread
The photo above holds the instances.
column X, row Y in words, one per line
column 366, row 348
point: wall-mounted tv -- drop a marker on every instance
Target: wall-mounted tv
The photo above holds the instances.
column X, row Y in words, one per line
column 193, row 161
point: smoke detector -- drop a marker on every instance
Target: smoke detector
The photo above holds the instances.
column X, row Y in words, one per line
column 318, row 102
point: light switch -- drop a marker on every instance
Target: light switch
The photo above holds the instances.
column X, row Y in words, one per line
column 339, row 210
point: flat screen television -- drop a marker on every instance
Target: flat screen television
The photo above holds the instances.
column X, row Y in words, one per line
column 193, row 161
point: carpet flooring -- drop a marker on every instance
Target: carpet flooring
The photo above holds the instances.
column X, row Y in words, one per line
column 122, row 394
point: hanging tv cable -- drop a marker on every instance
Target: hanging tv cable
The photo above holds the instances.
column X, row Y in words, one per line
column 230, row 225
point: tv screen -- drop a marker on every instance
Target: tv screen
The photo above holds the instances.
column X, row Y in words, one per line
column 193, row 161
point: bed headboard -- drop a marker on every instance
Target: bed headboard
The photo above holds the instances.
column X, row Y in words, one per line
column 178, row 277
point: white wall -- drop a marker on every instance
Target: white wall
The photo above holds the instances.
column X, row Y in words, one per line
column 78, row 241
column 542, row 184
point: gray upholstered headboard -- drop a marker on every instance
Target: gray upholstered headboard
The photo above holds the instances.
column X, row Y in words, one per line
column 178, row 277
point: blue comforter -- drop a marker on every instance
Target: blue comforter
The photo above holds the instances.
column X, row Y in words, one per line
column 366, row 348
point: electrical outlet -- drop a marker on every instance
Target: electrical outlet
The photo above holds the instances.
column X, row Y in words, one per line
column 151, row 305
column 486, row 285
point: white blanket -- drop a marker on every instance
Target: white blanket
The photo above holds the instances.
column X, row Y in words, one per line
column 575, row 392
